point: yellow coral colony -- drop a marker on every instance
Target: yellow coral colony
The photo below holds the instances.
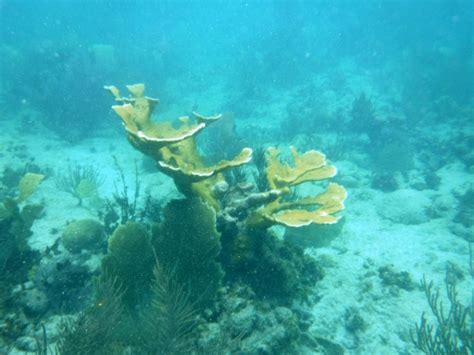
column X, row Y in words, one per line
column 173, row 148
column 311, row 166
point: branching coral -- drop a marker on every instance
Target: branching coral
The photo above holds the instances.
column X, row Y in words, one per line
column 188, row 240
column 311, row 166
column 174, row 149
column 249, row 249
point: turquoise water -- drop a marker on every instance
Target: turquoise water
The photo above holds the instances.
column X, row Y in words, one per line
column 324, row 170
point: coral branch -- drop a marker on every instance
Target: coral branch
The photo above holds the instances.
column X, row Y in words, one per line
column 174, row 149
column 310, row 166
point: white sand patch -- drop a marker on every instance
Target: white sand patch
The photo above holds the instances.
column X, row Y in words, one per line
column 367, row 243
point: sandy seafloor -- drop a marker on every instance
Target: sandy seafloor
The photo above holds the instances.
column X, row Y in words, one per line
column 379, row 228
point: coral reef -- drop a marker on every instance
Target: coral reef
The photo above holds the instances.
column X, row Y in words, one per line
column 202, row 246
column 187, row 247
column 219, row 233
column 11, row 177
column 246, row 323
column 257, row 327
column 243, row 216
column 124, row 206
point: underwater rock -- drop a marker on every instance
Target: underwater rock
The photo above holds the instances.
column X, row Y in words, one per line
column 26, row 343
column 84, row 234
column 244, row 320
column 432, row 180
column 247, row 325
column 461, row 231
column 443, row 204
column 273, row 268
column 53, row 326
column 66, row 281
column 354, row 322
column 385, row 182
column 404, row 206
column 34, row 302
column 390, row 277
